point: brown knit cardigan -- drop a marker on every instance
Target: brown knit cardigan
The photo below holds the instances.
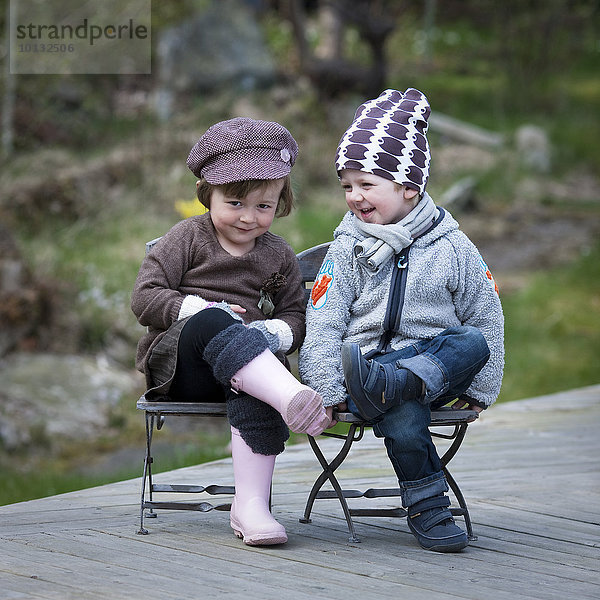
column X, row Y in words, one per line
column 189, row 260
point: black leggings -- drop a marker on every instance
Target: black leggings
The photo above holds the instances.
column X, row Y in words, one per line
column 194, row 380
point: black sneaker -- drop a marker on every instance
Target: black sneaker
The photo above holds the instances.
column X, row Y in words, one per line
column 375, row 387
column 431, row 522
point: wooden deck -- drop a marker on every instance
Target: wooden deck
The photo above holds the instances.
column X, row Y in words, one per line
column 530, row 471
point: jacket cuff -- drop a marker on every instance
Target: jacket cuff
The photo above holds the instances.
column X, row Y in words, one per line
column 282, row 330
column 192, row 305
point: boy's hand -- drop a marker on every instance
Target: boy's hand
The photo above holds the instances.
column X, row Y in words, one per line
column 463, row 404
column 329, row 411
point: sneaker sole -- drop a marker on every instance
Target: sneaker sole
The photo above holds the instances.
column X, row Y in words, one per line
column 437, row 546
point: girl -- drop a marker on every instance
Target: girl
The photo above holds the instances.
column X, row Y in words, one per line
column 223, row 302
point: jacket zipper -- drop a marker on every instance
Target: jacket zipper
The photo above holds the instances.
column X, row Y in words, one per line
column 393, row 313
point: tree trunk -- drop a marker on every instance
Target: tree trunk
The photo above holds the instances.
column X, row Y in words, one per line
column 332, row 28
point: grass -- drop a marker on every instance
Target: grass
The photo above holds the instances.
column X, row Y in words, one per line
column 552, row 330
column 19, row 486
column 312, row 224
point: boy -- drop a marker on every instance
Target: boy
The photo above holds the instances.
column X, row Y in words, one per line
column 406, row 316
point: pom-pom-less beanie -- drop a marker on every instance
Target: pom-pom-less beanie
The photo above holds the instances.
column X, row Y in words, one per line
column 388, row 137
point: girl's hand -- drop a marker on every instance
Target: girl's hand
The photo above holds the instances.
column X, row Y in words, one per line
column 236, row 308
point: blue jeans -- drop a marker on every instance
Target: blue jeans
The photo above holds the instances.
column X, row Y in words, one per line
column 447, row 365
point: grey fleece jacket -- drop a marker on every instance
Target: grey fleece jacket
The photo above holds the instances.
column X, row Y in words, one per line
column 448, row 284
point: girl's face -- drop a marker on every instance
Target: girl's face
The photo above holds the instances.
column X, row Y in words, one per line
column 239, row 221
column 377, row 200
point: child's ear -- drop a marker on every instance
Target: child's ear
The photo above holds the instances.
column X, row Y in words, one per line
column 409, row 194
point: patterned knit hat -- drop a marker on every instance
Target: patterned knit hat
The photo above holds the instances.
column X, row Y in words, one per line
column 388, row 138
column 241, row 149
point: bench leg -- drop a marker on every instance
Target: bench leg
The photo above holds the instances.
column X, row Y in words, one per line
column 457, row 438
column 463, row 511
column 328, row 474
column 147, row 474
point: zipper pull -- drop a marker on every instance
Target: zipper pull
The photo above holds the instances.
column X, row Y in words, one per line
column 403, row 261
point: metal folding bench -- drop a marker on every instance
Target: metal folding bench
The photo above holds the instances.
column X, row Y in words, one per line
column 155, row 413
column 453, row 423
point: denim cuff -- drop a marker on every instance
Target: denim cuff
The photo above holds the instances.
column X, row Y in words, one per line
column 431, row 371
column 415, row 491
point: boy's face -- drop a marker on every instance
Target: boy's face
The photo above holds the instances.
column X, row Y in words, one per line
column 376, row 200
column 239, row 221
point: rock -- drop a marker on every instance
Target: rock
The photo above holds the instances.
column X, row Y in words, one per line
column 533, row 147
column 221, row 47
column 48, row 399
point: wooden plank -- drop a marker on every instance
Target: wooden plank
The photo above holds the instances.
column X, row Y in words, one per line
column 337, row 559
column 243, row 566
column 19, row 588
column 535, row 542
column 111, row 568
column 389, row 559
column 496, row 558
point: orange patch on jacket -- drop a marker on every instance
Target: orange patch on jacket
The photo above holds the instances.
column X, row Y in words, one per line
column 489, row 275
column 320, row 288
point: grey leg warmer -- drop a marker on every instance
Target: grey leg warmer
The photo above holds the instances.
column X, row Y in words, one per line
column 260, row 426
column 232, row 349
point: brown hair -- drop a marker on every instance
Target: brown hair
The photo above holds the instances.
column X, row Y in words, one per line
column 240, row 189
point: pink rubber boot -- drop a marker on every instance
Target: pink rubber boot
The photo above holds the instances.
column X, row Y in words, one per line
column 267, row 379
column 250, row 516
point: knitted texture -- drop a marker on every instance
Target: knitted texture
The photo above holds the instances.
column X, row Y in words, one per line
column 241, row 149
column 233, row 349
column 260, row 425
column 388, row 138
column 272, row 338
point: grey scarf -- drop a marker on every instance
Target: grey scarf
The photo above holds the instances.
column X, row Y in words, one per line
column 384, row 241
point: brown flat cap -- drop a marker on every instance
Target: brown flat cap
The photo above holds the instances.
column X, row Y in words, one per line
column 241, row 149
